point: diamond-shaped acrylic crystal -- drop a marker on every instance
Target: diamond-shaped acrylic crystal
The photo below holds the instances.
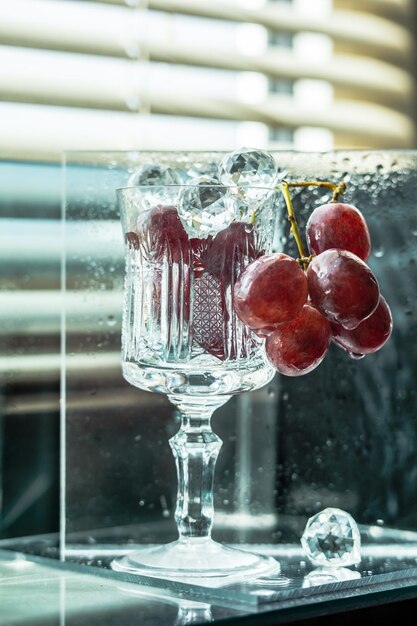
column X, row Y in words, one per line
column 159, row 177
column 249, row 168
column 205, row 207
column 332, row 538
column 154, row 174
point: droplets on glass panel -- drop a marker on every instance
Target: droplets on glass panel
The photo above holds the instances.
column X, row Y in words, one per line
column 205, row 207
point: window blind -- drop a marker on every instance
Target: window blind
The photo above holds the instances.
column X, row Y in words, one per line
column 112, row 75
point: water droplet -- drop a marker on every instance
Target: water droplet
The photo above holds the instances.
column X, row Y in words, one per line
column 271, row 392
column 226, row 502
column 133, row 101
column 111, row 320
column 379, row 252
column 380, row 522
column 132, row 49
column 165, row 513
column 355, row 356
column 141, row 502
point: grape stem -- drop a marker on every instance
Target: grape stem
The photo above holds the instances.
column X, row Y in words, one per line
column 337, row 189
column 284, row 187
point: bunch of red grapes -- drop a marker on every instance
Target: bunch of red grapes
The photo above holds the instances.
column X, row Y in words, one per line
column 301, row 306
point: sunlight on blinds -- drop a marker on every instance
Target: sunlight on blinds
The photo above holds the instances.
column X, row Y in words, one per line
column 186, row 74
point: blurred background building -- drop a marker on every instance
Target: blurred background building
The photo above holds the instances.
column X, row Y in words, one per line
column 163, row 74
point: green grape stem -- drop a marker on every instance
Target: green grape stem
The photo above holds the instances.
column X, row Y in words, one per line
column 284, row 187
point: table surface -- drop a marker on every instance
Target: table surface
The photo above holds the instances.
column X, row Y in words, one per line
column 36, row 590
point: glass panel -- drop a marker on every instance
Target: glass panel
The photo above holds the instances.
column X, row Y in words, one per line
column 342, row 436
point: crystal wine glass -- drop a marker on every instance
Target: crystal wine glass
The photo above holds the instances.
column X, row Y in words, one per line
column 185, row 246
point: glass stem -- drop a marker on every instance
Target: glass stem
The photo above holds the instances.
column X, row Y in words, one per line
column 195, row 447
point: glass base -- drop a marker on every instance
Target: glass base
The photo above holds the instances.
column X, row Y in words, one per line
column 199, row 561
column 206, row 376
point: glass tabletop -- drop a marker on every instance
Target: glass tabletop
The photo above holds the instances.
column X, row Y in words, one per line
column 85, row 585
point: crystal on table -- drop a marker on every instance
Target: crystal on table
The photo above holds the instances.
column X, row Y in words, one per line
column 332, row 538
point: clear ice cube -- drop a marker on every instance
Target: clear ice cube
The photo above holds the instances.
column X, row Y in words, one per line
column 205, row 207
column 332, row 538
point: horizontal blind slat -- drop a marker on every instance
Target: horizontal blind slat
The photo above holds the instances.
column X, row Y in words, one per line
column 400, row 8
column 356, row 72
column 113, row 29
column 72, row 26
column 123, row 129
column 89, row 81
column 366, row 30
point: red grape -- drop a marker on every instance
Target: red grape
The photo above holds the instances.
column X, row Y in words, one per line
column 233, row 246
column 299, row 346
column 370, row 335
column 132, row 240
column 342, row 287
column 271, row 290
column 160, row 230
column 341, row 226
